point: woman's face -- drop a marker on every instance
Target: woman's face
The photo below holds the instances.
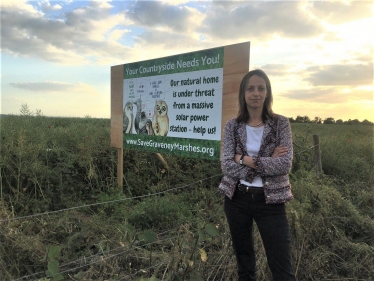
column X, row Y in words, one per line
column 255, row 92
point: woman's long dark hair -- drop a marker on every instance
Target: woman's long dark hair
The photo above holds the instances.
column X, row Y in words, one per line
column 267, row 111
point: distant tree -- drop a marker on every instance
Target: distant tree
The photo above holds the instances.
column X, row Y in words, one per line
column 366, row 122
column 355, row 122
column 39, row 112
column 349, row 122
column 291, row 120
column 339, row 121
column 302, row 119
column 317, row 120
column 25, row 110
column 329, row 120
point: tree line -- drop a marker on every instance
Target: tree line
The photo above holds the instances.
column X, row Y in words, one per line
column 25, row 111
column 328, row 120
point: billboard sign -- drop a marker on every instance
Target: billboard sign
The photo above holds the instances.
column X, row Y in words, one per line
column 174, row 104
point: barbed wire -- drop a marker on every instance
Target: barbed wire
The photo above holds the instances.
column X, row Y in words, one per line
column 158, row 234
column 109, row 251
column 108, row 257
column 88, row 264
column 92, row 256
column 108, row 202
column 125, row 199
column 116, row 201
column 142, row 270
column 308, row 148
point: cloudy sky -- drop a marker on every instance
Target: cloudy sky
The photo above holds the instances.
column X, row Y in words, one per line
column 56, row 55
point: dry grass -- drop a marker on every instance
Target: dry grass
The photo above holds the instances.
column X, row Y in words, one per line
column 165, row 237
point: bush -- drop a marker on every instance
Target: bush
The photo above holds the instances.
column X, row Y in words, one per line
column 158, row 213
column 53, row 163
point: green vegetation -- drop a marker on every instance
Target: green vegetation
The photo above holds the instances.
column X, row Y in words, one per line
column 169, row 225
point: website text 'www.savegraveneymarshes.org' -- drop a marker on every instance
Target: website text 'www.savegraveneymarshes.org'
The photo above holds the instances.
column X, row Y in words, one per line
column 172, row 146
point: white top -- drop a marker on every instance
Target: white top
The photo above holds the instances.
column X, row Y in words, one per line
column 254, row 137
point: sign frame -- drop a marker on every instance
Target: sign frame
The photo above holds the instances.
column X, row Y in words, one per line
column 235, row 66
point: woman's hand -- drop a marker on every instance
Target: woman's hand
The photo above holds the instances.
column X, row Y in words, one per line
column 237, row 158
column 247, row 160
column 279, row 151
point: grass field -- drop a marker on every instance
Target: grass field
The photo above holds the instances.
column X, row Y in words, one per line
column 169, row 225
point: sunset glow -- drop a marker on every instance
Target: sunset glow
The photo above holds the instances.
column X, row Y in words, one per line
column 56, row 55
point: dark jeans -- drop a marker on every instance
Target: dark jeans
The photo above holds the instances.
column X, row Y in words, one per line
column 271, row 220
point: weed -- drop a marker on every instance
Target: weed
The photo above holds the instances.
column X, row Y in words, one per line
column 49, row 164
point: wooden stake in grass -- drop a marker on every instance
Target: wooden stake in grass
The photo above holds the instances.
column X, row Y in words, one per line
column 120, row 168
column 317, row 156
column 162, row 160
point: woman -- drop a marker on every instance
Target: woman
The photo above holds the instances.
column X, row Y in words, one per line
column 256, row 161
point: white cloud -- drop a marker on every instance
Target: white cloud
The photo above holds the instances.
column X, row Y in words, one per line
column 175, row 2
column 260, row 20
column 315, row 52
column 46, row 6
column 180, row 19
column 348, row 75
column 91, row 33
column 338, row 12
column 351, row 110
column 78, row 38
column 56, row 87
column 329, row 94
column 276, row 69
column 117, row 34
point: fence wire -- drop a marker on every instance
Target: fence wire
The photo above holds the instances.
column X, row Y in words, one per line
column 108, row 202
column 128, row 249
column 101, row 254
column 106, row 252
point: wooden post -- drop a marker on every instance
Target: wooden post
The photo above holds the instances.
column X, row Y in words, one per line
column 120, row 168
column 163, row 161
column 317, row 155
column 116, row 117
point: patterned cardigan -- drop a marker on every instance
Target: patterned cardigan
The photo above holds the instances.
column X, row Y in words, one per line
column 273, row 171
